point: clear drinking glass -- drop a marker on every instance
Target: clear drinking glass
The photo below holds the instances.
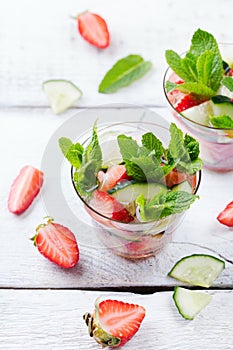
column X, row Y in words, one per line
column 216, row 144
column 135, row 239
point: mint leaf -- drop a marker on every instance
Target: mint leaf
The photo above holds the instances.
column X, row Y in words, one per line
column 203, row 41
column 169, row 86
column 209, row 70
column 72, row 152
column 176, row 147
column 152, row 143
column 222, row 122
column 175, row 62
column 183, row 151
column 123, row 73
column 142, row 162
column 85, row 178
column 65, row 143
column 201, row 68
column 228, row 82
column 164, row 204
column 192, row 146
column 128, row 147
column 93, row 150
column 197, row 88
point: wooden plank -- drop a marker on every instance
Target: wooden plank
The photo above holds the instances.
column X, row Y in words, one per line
column 33, row 52
column 21, row 266
column 53, row 320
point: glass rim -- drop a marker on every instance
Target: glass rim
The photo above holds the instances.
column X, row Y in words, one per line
column 212, row 128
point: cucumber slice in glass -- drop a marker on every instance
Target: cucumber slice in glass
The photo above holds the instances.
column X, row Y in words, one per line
column 197, row 269
column 190, row 302
column 62, row 94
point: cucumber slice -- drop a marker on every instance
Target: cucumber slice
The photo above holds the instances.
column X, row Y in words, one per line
column 131, row 192
column 183, row 186
column 190, row 302
column 222, row 105
column 200, row 113
column 62, row 94
column 197, row 269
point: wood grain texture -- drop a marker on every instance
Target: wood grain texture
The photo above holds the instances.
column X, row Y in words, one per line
column 48, row 320
column 39, row 41
column 21, row 266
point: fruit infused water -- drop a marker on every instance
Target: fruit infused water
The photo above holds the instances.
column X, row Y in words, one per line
column 135, row 185
column 199, row 87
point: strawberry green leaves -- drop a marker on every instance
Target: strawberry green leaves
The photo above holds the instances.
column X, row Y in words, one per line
column 123, row 73
column 201, row 68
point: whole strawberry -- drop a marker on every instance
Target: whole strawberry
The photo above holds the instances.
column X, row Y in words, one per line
column 93, row 29
column 57, row 243
column 114, row 322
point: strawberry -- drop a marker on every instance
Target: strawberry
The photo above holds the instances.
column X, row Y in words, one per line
column 114, row 174
column 226, row 215
column 24, row 189
column 114, row 322
column 57, row 243
column 94, row 29
column 230, row 72
column 175, row 177
column 108, row 206
column 188, row 101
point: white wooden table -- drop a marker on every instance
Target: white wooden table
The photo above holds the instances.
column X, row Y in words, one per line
column 41, row 305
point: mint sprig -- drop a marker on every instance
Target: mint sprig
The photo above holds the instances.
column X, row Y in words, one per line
column 201, row 68
column 123, row 73
column 164, row 204
column 183, row 151
column 221, row 122
column 86, row 161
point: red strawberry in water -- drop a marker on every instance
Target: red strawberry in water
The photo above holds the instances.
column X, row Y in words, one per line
column 188, row 101
column 175, row 177
column 24, row 189
column 114, row 322
column 108, row 206
column 94, row 29
column 226, row 216
column 57, row 243
column 113, row 175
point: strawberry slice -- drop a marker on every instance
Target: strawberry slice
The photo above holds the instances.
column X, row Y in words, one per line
column 108, row 206
column 24, row 189
column 94, row 29
column 226, row 216
column 188, row 101
column 175, row 177
column 57, row 243
column 114, row 322
column 113, row 175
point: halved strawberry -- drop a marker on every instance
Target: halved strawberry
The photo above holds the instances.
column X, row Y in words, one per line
column 108, row 206
column 113, row 175
column 226, row 215
column 57, row 243
column 24, row 189
column 94, row 29
column 114, row 322
column 188, row 101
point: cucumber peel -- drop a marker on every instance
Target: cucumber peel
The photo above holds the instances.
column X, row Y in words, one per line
column 190, row 302
column 197, row 269
column 62, row 94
